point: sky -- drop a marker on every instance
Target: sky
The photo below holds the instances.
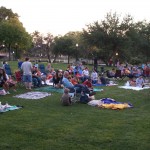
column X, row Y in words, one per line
column 59, row 17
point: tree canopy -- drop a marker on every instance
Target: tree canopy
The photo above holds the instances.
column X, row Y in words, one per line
column 12, row 31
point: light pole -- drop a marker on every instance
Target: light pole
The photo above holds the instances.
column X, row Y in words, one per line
column 16, row 51
column 117, row 60
column 13, row 55
column 77, row 45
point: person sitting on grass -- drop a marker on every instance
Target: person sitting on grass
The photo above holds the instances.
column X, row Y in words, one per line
column 94, row 77
column 140, row 82
column 40, row 75
column 66, row 99
column 104, row 80
column 88, row 83
column 57, row 79
column 86, row 74
column 78, row 87
column 74, row 80
column 11, row 83
column 48, row 68
column 112, row 73
column 3, row 81
column 37, row 82
column 131, row 82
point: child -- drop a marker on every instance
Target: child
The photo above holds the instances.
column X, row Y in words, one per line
column 66, row 99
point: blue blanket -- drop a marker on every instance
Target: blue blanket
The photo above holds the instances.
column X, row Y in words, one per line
column 112, row 101
column 49, row 89
column 5, row 109
column 97, row 84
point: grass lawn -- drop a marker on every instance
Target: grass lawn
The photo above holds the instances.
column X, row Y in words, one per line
column 45, row 124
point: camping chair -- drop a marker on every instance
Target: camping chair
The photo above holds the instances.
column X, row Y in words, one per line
column 42, row 68
column 18, row 77
column 75, row 96
column 8, row 70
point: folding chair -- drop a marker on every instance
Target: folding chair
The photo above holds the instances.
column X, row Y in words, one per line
column 75, row 96
column 18, row 77
column 8, row 70
column 42, row 68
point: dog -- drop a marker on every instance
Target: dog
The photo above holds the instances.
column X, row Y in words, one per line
column 66, row 99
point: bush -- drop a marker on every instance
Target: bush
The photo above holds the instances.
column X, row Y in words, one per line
column 136, row 60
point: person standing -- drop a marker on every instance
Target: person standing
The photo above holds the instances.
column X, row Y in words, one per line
column 19, row 64
column 26, row 67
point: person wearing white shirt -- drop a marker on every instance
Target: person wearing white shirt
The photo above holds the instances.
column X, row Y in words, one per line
column 140, row 82
column 94, row 77
column 86, row 73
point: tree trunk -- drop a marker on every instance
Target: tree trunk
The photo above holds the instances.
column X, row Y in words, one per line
column 68, row 59
column 49, row 59
column 9, row 51
column 48, row 56
column 55, row 59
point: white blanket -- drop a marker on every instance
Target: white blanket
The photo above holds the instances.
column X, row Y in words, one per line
column 33, row 95
column 133, row 88
column 49, row 83
column 95, row 103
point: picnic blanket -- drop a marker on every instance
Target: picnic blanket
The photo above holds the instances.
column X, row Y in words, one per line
column 133, row 88
column 109, row 104
column 98, row 84
column 111, row 84
column 7, row 107
column 49, row 83
column 97, row 90
column 58, row 90
column 33, row 95
column 49, row 89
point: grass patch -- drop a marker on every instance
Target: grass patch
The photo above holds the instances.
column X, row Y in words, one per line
column 46, row 125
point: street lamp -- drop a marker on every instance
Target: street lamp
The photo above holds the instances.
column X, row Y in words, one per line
column 13, row 54
column 77, row 45
column 116, row 54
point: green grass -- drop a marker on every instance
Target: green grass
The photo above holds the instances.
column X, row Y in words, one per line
column 47, row 125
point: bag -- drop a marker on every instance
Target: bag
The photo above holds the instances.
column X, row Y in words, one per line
column 84, row 98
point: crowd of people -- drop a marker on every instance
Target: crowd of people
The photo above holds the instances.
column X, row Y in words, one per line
column 75, row 77
column 131, row 70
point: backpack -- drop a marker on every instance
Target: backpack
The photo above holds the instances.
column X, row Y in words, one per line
column 84, row 98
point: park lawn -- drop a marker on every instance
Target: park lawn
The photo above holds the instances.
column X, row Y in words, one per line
column 45, row 124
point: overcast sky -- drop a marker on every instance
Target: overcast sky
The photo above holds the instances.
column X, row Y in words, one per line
column 61, row 16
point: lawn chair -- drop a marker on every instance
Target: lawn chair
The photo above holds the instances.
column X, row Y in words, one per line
column 18, row 77
column 75, row 96
column 8, row 70
column 42, row 68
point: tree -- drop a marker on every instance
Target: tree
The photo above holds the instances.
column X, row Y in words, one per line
column 49, row 45
column 144, row 47
column 78, row 45
column 43, row 43
column 7, row 14
column 12, row 31
column 106, row 38
column 63, row 45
